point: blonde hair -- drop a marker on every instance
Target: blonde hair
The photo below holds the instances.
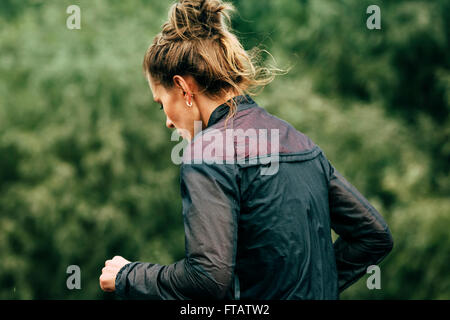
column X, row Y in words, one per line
column 196, row 40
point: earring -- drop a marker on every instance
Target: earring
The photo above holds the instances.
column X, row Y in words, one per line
column 189, row 104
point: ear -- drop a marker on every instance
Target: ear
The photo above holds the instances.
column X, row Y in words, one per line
column 181, row 83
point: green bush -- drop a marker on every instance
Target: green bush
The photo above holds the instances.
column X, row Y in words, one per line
column 85, row 170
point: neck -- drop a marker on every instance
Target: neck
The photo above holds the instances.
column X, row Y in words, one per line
column 206, row 106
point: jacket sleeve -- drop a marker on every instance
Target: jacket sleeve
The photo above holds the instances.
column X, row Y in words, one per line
column 364, row 237
column 210, row 208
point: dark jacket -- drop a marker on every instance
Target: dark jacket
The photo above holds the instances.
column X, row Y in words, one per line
column 252, row 233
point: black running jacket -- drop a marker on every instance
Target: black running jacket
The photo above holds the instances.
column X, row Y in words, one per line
column 259, row 202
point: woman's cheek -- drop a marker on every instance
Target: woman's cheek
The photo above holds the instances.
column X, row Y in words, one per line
column 172, row 115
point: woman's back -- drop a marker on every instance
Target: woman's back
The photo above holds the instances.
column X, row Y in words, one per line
column 280, row 221
column 284, row 248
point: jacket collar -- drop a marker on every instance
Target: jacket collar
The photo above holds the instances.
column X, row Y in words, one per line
column 242, row 102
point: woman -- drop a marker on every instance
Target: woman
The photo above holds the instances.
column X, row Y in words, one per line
column 259, row 197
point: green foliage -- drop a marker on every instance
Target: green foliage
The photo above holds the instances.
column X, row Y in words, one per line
column 85, row 169
column 417, row 268
column 85, row 164
column 404, row 67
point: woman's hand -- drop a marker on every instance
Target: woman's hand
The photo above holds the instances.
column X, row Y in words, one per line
column 109, row 272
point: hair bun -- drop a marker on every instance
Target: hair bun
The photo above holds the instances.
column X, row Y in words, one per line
column 191, row 19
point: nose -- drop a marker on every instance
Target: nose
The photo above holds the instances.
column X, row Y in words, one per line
column 169, row 123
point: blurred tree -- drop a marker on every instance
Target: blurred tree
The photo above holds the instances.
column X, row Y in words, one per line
column 85, row 170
